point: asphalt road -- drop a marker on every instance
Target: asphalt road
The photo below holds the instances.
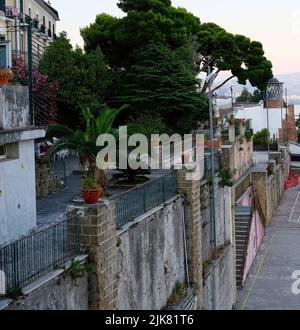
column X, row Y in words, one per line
column 270, row 285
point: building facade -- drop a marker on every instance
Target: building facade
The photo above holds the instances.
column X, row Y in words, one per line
column 15, row 18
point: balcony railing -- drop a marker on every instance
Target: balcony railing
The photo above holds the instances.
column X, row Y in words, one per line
column 136, row 202
column 32, row 257
column 36, row 24
column 42, row 29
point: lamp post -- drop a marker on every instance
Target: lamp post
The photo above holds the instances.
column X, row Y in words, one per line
column 209, row 80
column 268, row 124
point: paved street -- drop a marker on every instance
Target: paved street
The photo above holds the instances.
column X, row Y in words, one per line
column 269, row 285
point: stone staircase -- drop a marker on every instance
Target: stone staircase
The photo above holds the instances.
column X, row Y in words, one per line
column 243, row 218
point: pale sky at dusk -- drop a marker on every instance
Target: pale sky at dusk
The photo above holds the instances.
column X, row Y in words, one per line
column 274, row 23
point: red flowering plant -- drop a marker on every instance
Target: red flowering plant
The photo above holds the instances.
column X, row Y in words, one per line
column 44, row 93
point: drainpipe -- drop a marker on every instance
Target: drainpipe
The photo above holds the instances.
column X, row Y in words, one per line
column 185, row 242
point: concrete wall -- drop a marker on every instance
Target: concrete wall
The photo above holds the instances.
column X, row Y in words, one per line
column 17, row 192
column 238, row 155
column 256, row 236
column 56, row 291
column 14, row 107
column 223, row 221
column 151, row 258
column 219, row 283
column 219, row 291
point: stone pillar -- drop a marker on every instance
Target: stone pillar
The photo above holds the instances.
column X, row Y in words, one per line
column 98, row 235
column 260, row 186
column 190, row 188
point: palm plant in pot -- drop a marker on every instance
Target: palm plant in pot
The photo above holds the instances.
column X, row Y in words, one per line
column 91, row 191
column 83, row 141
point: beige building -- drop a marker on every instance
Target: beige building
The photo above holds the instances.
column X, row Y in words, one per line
column 15, row 17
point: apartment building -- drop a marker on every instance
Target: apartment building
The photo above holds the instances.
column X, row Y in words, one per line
column 15, row 18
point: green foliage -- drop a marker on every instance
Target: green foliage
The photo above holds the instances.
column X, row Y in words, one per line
column 260, row 140
column 78, row 270
column 163, row 88
column 89, row 183
column 119, row 242
column 158, row 21
column 249, row 134
column 247, row 97
column 83, row 142
column 226, row 177
column 83, row 78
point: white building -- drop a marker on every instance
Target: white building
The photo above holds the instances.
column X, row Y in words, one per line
column 17, row 165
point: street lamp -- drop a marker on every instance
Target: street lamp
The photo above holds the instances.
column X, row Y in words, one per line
column 209, row 80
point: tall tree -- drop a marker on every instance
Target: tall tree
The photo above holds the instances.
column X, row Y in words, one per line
column 161, row 86
column 84, row 78
column 159, row 21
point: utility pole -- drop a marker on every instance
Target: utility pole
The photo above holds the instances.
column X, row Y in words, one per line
column 268, row 124
column 213, row 193
column 286, row 115
column 232, row 102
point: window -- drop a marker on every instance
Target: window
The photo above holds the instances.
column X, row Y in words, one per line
column 29, row 12
column 44, row 20
column 22, row 43
column 3, row 151
column 5, row 54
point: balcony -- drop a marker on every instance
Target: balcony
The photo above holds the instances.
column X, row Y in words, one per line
column 36, row 24
column 42, row 29
column 10, row 12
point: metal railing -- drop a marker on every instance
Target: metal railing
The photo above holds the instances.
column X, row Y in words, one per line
column 32, row 257
column 134, row 203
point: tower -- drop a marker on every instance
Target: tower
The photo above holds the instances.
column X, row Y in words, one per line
column 274, row 94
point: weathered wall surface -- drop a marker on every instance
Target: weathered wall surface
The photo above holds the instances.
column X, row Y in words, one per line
column 219, row 283
column 17, row 192
column 151, row 258
column 237, row 155
column 257, row 232
column 60, row 293
column 223, row 219
column 14, row 107
column 219, row 289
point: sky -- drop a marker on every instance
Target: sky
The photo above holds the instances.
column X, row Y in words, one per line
column 274, row 23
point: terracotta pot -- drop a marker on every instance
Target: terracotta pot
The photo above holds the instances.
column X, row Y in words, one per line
column 92, row 196
column 4, row 82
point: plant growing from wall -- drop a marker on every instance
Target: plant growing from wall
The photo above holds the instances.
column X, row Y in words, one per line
column 249, row 134
column 227, row 177
column 79, row 269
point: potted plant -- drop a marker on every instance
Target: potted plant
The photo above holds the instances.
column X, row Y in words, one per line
column 5, row 76
column 83, row 141
column 91, row 191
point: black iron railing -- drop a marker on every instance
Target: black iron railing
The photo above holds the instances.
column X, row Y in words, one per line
column 142, row 199
column 27, row 259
